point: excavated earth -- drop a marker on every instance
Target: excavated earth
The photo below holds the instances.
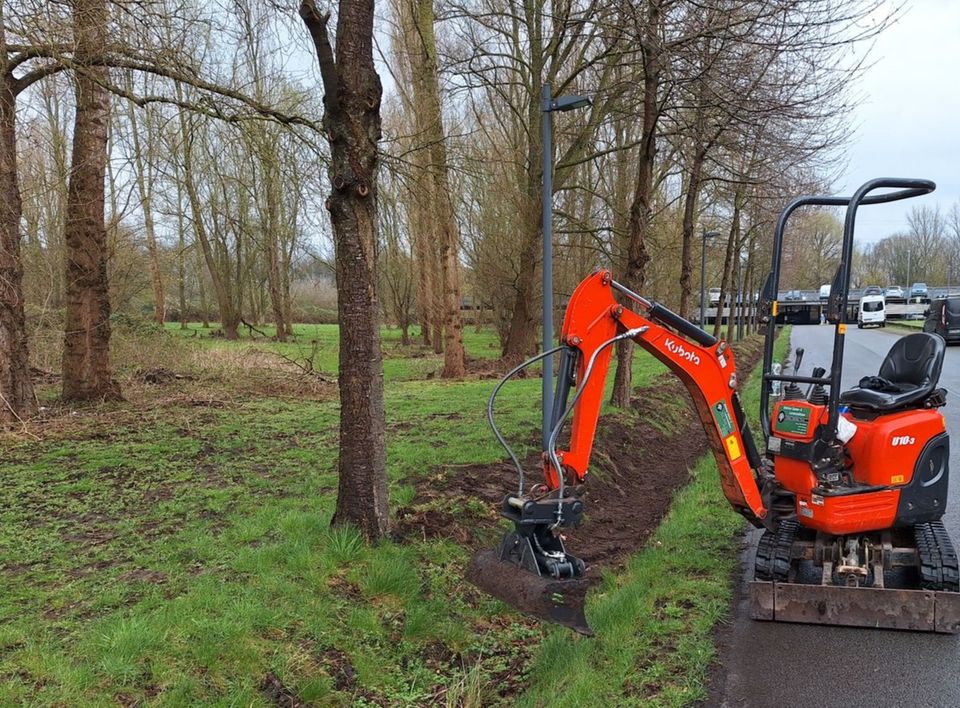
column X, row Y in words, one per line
column 639, row 462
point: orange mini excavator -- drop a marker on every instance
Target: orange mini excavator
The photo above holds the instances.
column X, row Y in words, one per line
column 849, row 490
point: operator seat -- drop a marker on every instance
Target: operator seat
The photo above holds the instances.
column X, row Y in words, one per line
column 908, row 375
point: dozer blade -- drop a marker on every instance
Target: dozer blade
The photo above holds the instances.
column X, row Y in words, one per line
column 887, row 608
column 558, row 601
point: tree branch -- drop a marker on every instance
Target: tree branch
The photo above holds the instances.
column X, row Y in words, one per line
column 317, row 25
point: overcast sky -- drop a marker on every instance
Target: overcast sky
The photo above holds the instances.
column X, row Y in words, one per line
column 908, row 124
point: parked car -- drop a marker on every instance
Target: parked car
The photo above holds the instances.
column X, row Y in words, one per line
column 919, row 290
column 872, row 311
column 825, row 291
column 893, row 291
column 943, row 318
column 713, row 295
column 872, row 290
column 793, row 295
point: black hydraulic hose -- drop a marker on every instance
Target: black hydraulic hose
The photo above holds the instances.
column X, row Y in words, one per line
column 496, row 389
column 554, row 434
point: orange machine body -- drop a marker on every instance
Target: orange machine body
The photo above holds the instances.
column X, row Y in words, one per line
column 708, row 372
column 883, row 456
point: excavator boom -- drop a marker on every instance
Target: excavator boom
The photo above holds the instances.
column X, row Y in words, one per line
column 705, row 365
column 531, row 569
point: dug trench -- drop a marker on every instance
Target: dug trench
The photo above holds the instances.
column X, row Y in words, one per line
column 640, row 459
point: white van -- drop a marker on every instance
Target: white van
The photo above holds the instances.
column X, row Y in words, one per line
column 825, row 292
column 872, row 311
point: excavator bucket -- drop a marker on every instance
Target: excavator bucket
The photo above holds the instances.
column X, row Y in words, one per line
column 531, row 570
column 546, row 598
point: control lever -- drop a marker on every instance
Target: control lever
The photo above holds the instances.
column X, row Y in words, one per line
column 815, row 392
column 791, row 391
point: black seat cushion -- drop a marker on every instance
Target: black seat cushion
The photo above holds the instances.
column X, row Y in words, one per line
column 909, row 374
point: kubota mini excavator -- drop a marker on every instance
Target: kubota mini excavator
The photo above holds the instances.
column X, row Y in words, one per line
column 850, row 488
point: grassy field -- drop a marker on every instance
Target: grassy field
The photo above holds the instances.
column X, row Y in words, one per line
column 175, row 549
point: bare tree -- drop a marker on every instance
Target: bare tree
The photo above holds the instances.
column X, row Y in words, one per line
column 352, row 93
column 442, row 230
column 87, row 373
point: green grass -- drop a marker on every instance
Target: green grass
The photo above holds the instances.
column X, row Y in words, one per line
column 318, row 344
column 654, row 621
column 907, row 324
column 177, row 550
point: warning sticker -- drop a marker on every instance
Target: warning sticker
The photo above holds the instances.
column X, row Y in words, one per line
column 793, row 419
column 733, row 448
column 722, row 416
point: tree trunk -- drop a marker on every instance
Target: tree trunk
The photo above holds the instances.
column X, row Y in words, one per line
column 181, row 261
column 524, row 326
column 732, row 240
column 145, row 187
column 352, row 120
column 427, row 96
column 87, row 374
column 16, row 388
column 271, row 241
column 690, row 200
column 229, row 317
column 641, row 209
column 423, row 255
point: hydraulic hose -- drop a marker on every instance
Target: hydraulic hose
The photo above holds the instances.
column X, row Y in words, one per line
column 555, row 433
column 493, row 396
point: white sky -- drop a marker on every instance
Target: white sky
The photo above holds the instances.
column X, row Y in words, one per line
column 909, row 120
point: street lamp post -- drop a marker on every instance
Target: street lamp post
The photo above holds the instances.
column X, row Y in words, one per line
column 703, row 275
column 548, row 105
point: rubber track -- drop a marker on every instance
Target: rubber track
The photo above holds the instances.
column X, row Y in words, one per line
column 939, row 568
column 773, row 552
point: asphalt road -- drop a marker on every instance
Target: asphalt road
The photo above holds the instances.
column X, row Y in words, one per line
column 774, row 664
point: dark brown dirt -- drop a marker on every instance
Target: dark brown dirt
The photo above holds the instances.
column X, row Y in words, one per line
column 638, row 463
column 273, row 690
column 338, row 666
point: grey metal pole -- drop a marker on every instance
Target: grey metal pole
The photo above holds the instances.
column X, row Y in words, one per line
column 909, row 284
column 547, row 138
column 703, row 278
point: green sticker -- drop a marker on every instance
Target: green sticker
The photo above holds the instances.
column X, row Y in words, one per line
column 724, row 422
column 792, row 419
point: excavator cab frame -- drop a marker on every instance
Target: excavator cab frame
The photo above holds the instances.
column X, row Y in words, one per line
column 839, row 290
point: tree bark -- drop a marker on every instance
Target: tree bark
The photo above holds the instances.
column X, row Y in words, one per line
column 427, row 95
column 690, row 201
column 424, row 258
column 16, row 388
column 352, row 120
column 87, row 374
column 634, row 270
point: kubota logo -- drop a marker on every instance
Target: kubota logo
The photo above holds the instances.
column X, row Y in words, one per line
column 676, row 348
column 900, row 440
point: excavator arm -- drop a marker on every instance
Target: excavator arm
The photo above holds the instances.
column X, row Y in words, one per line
column 531, row 568
column 705, row 365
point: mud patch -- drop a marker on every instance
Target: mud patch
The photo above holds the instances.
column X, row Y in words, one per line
column 276, row 693
column 339, row 667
